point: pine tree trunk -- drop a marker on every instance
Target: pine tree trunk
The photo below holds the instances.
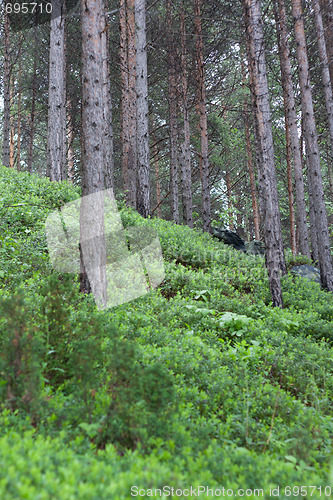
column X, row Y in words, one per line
column 291, row 125
column 206, row 212
column 124, row 74
column 18, row 147
column 132, row 105
column 275, row 260
column 70, row 139
column 12, row 128
column 256, row 220
column 327, row 84
column 185, row 163
column 327, row 11
column 56, row 130
column 33, row 105
column 108, row 132
column 229, row 199
column 290, row 190
column 6, row 94
column 172, row 101
column 314, row 168
column 143, row 177
column 92, row 238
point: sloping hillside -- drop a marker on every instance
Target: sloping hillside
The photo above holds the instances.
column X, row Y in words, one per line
column 200, row 383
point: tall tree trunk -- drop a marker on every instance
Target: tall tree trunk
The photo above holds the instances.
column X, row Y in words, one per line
column 12, row 128
column 258, row 156
column 56, row 130
column 204, row 171
column 275, row 260
column 327, row 9
column 33, row 101
column 92, row 238
column 185, row 164
column 314, row 168
column 290, row 190
column 70, row 139
column 157, row 177
column 256, row 221
column 108, row 132
column 18, row 147
column 327, row 84
column 6, row 94
column 229, row 201
column 143, row 177
column 124, row 75
column 132, row 105
column 291, row 124
column 172, row 101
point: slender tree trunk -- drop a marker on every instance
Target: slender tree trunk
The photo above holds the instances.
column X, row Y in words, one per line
column 157, row 180
column 327, row 84
column 206, row 212
column 132, row 105
column 256, row 220
column 172, row 101
column 327, row 10
column 18, row 147
column 92, row 239
column 108, row 132
column 143, row 177
column 229, row 198
column 6, row 95
column 12, row 127
column 56, row 131
column 33, row 104
column 291, row 124
column 314, row 168
column 70, row 139
column 290, row 190
column 124, row 74
column 258, row 156
column 185, row 165
column 275, row 260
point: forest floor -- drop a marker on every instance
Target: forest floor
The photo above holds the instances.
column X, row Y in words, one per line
column 197, row 389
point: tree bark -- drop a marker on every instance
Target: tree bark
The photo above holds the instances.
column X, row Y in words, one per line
column 132, row 105
column 18, row 147
column 327, row 84
column 314, row 168
column 124, row 74
column 327, row 10
column 291, row 124
column 229, row 200
column 256, row 220
column 12, row 127
column 33, row 103
column 172, row 101
column 290, row 190
column 92, row 238
column 6, row 94
column 108, row 132
column 204, row 170
column 275, row 260
column 143, row 177
column 185, row 164
column 56, row 130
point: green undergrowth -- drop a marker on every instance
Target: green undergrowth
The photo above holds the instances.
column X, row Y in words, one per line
column 198, row 383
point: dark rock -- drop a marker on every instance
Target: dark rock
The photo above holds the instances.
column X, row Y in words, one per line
column 229, row 238
column 305, row 271
column 255, row 247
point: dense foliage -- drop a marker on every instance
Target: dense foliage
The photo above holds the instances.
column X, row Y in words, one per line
column 200, row 382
